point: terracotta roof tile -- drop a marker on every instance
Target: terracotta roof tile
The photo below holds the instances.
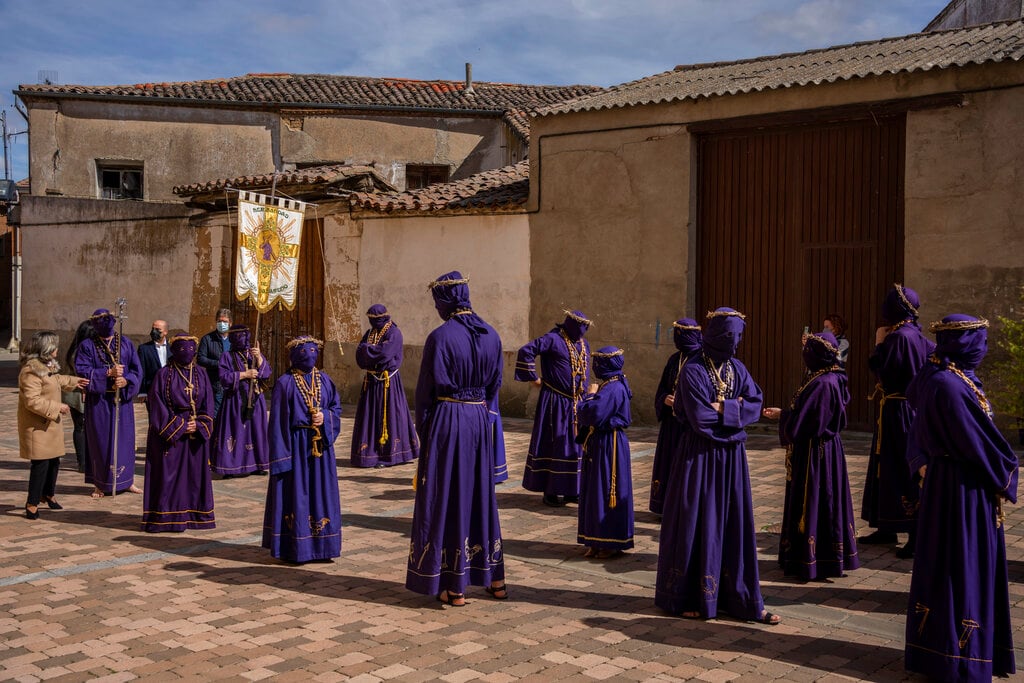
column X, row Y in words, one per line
column 502, row 188
column 316, row 175
column 997, row 42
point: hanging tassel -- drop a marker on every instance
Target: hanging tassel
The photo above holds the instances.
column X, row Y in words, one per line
column 384, row 419
column 612, row 500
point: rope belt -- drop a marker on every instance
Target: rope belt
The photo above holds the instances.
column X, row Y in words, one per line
column 574, row 399
column 455, row 400
column 612, row 498
column 895, row 396
column 384, row 377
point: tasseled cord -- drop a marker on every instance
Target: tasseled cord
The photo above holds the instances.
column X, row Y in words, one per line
column 612, row 500
column 384, row 420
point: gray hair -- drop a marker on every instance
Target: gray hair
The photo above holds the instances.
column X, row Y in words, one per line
column 224, row 313
column 42, row 346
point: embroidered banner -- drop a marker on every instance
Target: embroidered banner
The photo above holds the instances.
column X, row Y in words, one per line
column 269, row 234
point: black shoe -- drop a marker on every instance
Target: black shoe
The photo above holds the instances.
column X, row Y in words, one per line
column 879, row 537
column 575, row 500
column 31, row 515
column 261, row 473
column 553, row 501
column 53, row 505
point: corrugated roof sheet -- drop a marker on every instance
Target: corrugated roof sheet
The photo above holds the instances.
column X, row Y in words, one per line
column 917, row 52
column 316, row 175
column 502, row 188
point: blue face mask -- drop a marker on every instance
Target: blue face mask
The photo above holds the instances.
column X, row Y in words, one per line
column 223, row 327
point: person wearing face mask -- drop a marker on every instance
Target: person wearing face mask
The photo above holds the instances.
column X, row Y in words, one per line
column 890, row 491
column 212, row 346
column 40, row 432
column 958, row 613
column 112, row 367
column 707, row 556
column 818, row 540
column 178, row 488
column 302, row 521
column 456, row 535
column 687, row 338
column 553, row 460
column 153, row 354
column 384, row 433
column 240, row 433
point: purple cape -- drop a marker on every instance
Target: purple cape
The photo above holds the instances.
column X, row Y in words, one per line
column 606, row 488
column 178, row 489
column 240, row 444
column 707, row 554
column 382, row 398
column 456, row 535
column 92, row 362
column 958, row 616
column 553, row 461
column 890, row 491
column 302, row 521
column 818, row 538
column 671, row 431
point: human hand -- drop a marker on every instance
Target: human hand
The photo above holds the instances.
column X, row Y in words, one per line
column 716, row 406
column 922, row 470
column 537, row 382
column 82, row 383
column 65, row 409
column 190, row 426
column 881, row 333
column 772, row 413
column 318, row 418
column 670, row 400
column 117, row 371
column 592, row 389
column 120, row 383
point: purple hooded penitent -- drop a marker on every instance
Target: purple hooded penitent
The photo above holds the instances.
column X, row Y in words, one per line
column 707, row 555
column 958, row 614
column 240, row 445
column 605, row 518
column 686, row 335
column 890, row 491
column 818, row 538
column 384, row 433
column 553, row 458
column 456, row 536
column 178, row 491
column 302, row 521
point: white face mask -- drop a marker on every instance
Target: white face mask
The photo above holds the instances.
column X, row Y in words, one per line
column 223, row 327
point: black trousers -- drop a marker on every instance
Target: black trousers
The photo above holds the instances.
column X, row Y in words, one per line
column 42, row 480
column 78, row 437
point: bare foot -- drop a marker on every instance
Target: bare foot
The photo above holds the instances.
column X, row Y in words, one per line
column 134, row 489
column 96, row 493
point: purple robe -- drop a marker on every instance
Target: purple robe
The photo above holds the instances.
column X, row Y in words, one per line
column 606, row 488
column 819, row 537
column 93, row 361
column 553, row 461
column 240, row 444
column 707, row 554
column 456, row 534
column 178, row 489
column 958, row 616
column 302, row 521
column 382, row 398
column 890, row 491
column 498, row 440
column 670, row 434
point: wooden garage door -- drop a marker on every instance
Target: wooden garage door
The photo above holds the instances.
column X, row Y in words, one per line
column 278, row 325
column 796, row 222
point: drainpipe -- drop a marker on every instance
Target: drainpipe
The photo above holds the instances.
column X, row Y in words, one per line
column 15, row 288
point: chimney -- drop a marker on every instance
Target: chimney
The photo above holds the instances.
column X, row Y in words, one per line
column 469, row 79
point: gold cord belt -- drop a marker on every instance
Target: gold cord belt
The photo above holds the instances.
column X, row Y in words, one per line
column 895, row 396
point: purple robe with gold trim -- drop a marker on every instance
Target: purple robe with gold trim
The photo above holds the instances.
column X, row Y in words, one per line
column 239, row 444
column 958, row 616
column 178, row 491
column 302, row 521
column 92, row 361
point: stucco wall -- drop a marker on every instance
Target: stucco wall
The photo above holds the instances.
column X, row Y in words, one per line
column 964, row 215
column 80, row 255
column 399, row 256
column 467, row 145
column 177, row 145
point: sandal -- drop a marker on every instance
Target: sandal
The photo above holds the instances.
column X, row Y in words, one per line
column 690, row 615
column 96, row 493
column 450, row 598
column 591, row 552
column 497, row 592
column 769, row 618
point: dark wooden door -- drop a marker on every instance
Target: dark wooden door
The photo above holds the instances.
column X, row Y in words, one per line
column 279, row 325
column 796, row 222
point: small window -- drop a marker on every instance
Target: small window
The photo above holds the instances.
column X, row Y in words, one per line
column 421, row 176
column 120, row 182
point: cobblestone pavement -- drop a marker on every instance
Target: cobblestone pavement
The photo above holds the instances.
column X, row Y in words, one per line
column 85, row 595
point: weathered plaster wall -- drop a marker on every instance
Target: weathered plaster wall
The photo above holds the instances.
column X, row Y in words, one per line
column 467, row 146
column 399, row 256
column 177, row 145
column 964, row 215
column 80, row 255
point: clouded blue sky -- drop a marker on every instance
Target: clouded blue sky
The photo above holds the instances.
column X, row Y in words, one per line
column 596, row 42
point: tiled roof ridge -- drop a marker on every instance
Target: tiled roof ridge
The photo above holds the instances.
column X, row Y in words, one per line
column 326, row 173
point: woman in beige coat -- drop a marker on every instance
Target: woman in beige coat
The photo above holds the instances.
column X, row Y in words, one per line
column 40, row 431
